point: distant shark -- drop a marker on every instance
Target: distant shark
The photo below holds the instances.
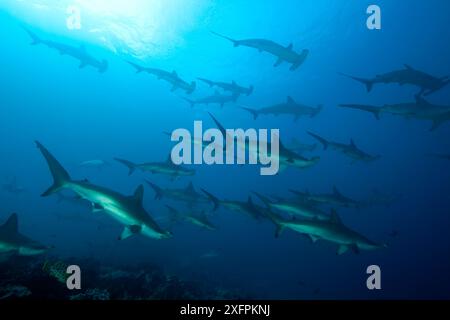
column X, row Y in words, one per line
column 166, row 168
column 171, row 77
column 78, row 53
column 248, row 207
column 128, row 210
column 188, row 194
column 350, row 150
column 12, row 242
column 286, row 157
column 216, row 98
column 290, row 107
column 333, row 199
column 233, row 87
column 294, row 208
column 427, row 83
column 332, row 230
column 198, row 219
column 98, row 164
column 420, row 109
column 284, row 54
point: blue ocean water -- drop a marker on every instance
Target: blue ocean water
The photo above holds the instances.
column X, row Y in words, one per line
column 81, row 114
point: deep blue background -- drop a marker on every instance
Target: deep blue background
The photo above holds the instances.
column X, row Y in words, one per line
column 81, row 115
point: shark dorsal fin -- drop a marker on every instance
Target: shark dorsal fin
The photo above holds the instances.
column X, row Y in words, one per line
column 352, row 143
column 290, row 46
column 407, row 66
column 336, row 191
column 421, row 101
column 190, row 188
column 138, row 195
column 334, row 217
column 290, row 100
column 12, row 224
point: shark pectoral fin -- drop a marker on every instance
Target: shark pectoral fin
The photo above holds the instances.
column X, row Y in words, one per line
column 97, row 208
column 279, row 61
column 278, row 231
column 312, row 238
column 128, row 231
column 342, row 249
column 355, row 248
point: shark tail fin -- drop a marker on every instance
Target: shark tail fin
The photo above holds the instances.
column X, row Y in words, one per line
column 235, row 42
column 103, row 66
column 130, row 165
column 252, row 111
column 60, row 175
column 138, row 68
column 320, row 139
column 35, row 39
column 208, row 82
column 317, row 111
column 367, row 82
column 374, row 110
column 11, row 225
column 191, row 102
column 192, row 87
column 214, row 199
column 158, row 191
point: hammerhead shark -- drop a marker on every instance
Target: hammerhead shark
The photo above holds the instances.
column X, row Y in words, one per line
column 286, row 157
column 79, row 53
column 290, row 107
column 408, row 75
column 332, row 230
column 336, row 198
column 420, row 109
column 216, row 98
column 170, row 77
column 247, row 207
column 198, row 219
column 350, row 150
column 283, row 54
column 294, row 207
column 127, row 210
column 12, row 242
column 232, row 87
column 166, row 168
column 188, row 194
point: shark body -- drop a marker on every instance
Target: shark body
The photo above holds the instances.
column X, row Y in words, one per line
column 283, row 54
column 216, row 98
column 332, row 230
column 197, row 219
column 350, row 150
column 13, row 242
column 233, row 87
column 408, row 75
column 79, row 53
column 290, row 107
column 127, row 210
column 420, row 109
column 171, row 77
column 188, row 194
column 336, row 198
column 165, row 168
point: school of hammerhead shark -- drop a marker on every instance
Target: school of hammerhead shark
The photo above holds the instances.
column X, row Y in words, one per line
column 304, row 213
